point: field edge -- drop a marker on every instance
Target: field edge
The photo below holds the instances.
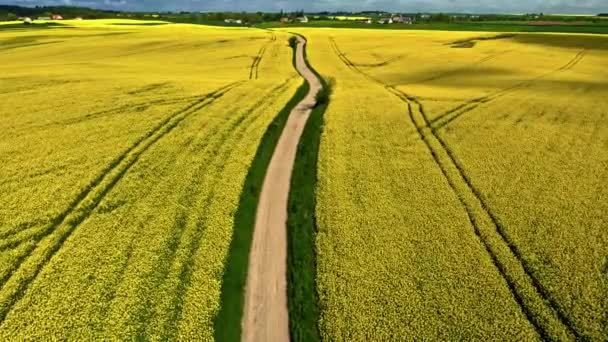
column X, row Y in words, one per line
column 302, row 228
column 227, row 323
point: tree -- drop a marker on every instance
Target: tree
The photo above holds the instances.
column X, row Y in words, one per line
column 441, row 17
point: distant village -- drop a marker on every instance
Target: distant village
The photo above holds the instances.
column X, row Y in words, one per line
column 28, row 20
column 393, row 19
column 386, row 19
column 29, row 15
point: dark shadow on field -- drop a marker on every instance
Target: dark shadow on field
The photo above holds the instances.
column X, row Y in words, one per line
column 470, row 42
column 17, row 84
column 40, row 26
column 379, row 64
column 173, row 45
column 459, row 76
column 34, row 43
column 139, row 24
column 488, row 77
column 32, row 40
column 548, row 85
column 564, row 41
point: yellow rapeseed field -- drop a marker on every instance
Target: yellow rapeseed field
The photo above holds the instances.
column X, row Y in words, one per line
column 123, row 155
column 461, row 182
column 462, row 186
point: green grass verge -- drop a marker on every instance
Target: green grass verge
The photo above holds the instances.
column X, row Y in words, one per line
column 301, row 225
column 228, row 321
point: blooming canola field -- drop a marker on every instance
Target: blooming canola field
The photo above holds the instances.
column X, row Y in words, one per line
column 463, row 186
column 451, row 185
column 124, row 153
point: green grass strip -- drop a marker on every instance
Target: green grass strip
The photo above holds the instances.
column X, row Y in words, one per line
column 228, row 321
column 302, row 229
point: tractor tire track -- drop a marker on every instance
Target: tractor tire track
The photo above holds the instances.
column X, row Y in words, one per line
column 474, row 223
column 443, row 149
column 454, row 113
column 14, row 229
column 460, row 69
column 579, row 56
column 380, row 64
column 50, row 239
column 35, row 237
column 254, row 70
column 237, row 131
column 130, row 107
column 217, row 153
column 17, row 235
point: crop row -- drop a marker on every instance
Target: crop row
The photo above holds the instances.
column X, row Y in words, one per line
column 396, row 255
column 140, row 253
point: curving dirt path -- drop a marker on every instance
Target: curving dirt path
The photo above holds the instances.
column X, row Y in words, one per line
column 265, row 315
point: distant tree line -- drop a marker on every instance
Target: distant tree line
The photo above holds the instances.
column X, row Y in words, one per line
column 211, row 17
column 218, row 17
column 8, row 12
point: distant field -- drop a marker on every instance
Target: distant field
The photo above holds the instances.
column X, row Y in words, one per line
column 123, row 157
column 599, row 27
column 462, row 186
column 348, row 18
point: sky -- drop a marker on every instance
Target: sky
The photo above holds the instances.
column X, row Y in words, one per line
column 468, row 6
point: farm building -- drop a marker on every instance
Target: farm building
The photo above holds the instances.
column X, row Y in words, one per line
column 27, row 20
column 303, row 19
column 233, row 21
column 399, row 19
column 57, row 17
column 43, row 18
column 285, row 20
column 385, row 21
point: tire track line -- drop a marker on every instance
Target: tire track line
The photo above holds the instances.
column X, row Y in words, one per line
column 140, row 105
column 7, row 231
column 476, row 228
column 47, row 229
column 454, row 113
column 255, row 66
column 237, row 131
column 217, row 153
column 14, row 229
column 463, row 68
column 50, row 239
column 518, row 291
column 443, row 152
column 253, row 70
column 23, row 233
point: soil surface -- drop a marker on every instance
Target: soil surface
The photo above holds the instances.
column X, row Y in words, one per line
column 265, row 315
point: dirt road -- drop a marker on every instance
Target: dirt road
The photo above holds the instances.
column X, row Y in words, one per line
column 266, row 317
